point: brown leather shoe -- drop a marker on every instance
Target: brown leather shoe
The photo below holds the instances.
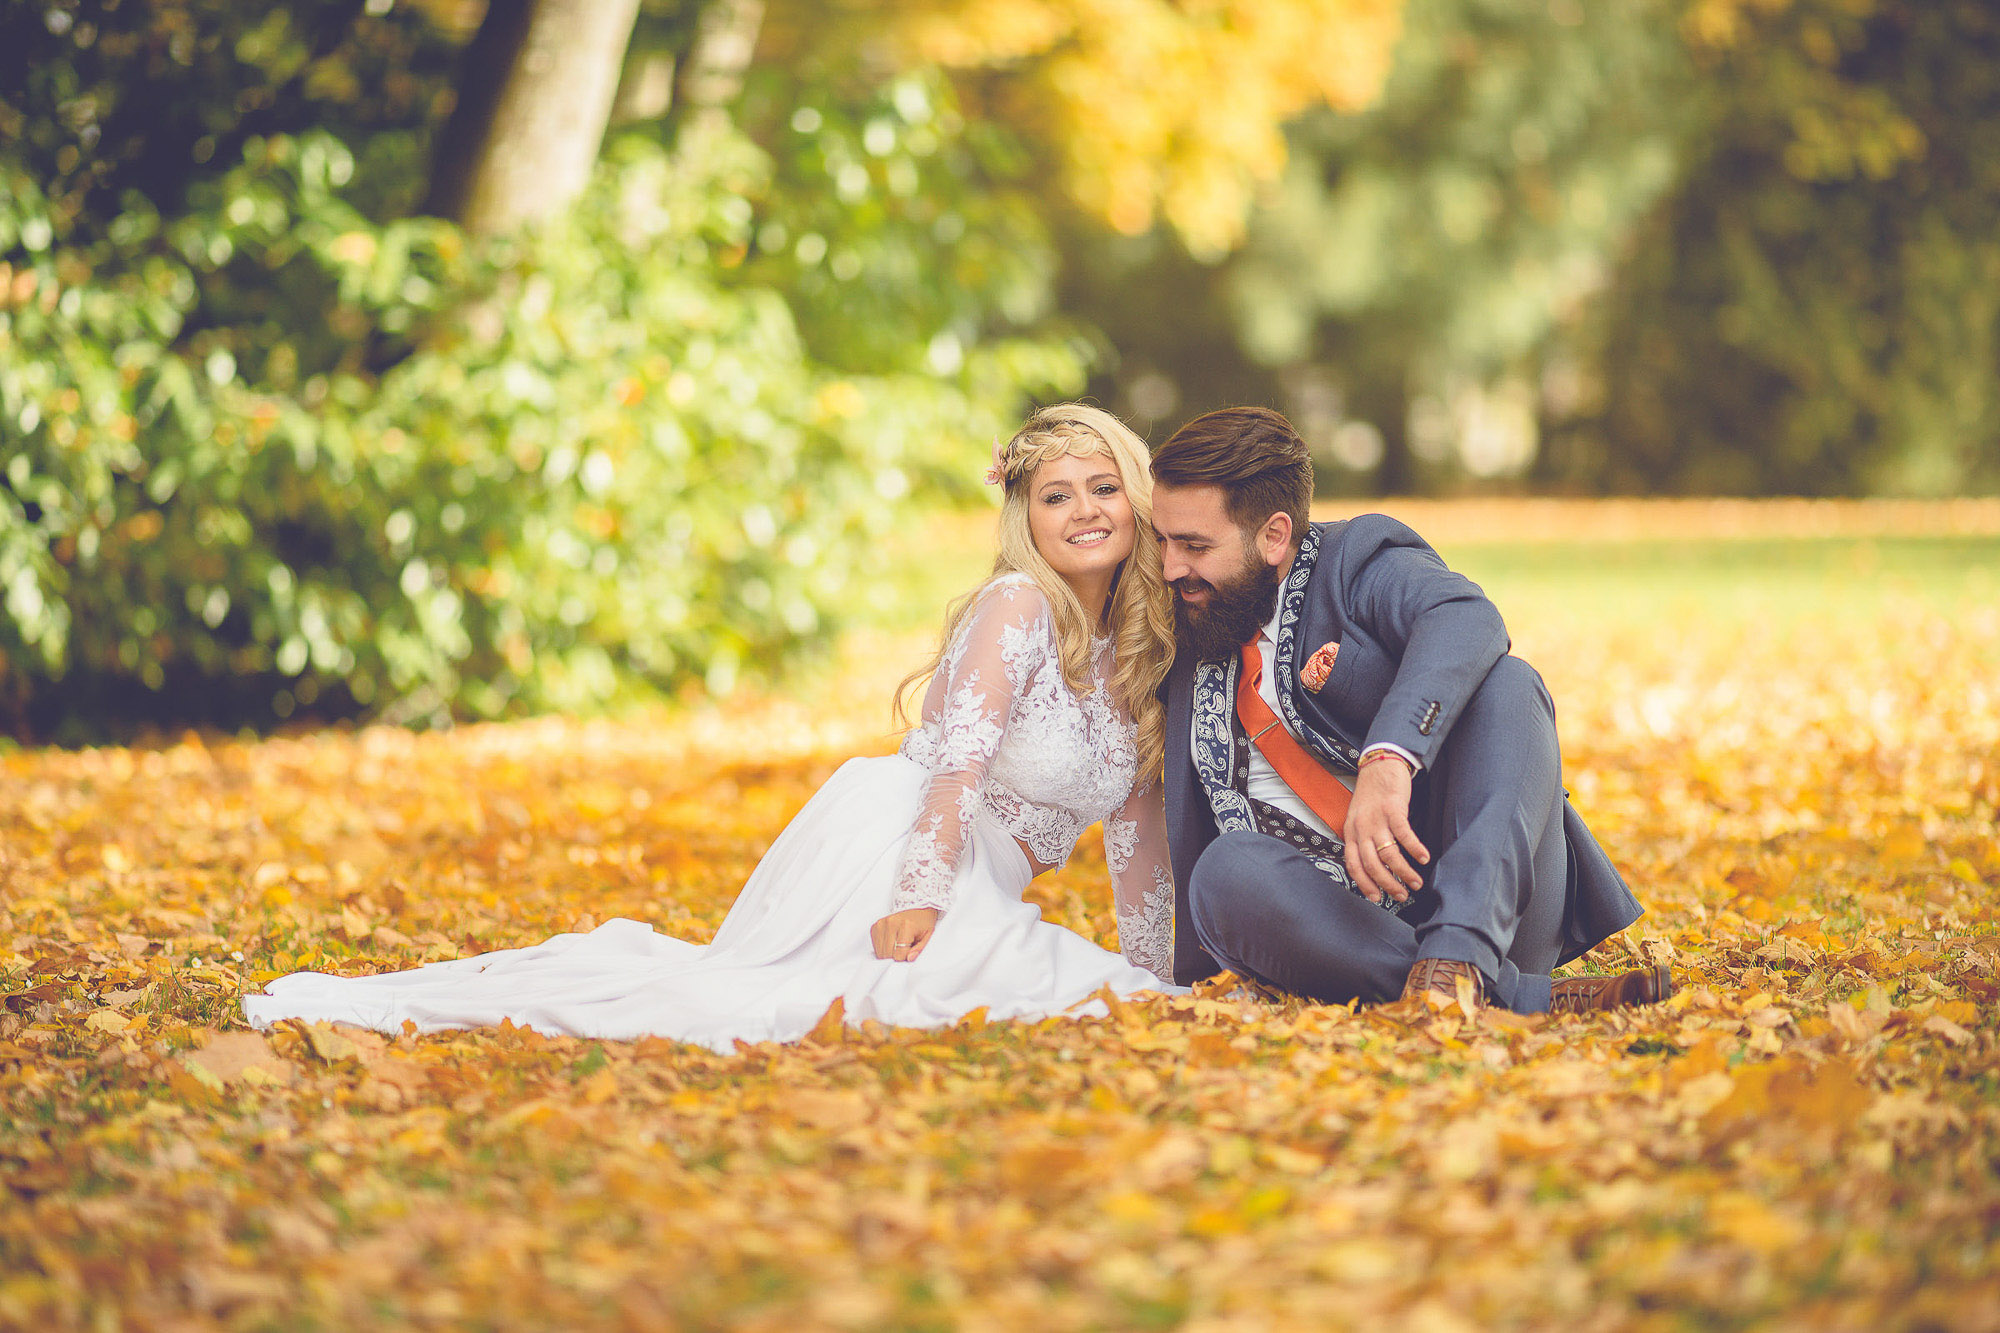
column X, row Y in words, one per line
column 1589, row 995
column 1435, row 981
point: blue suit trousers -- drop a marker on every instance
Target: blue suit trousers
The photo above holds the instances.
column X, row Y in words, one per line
column 1490, row 810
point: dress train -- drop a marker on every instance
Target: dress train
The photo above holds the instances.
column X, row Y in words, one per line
column 795, row 940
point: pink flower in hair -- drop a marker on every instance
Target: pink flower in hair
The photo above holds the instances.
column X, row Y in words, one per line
column 998, row 472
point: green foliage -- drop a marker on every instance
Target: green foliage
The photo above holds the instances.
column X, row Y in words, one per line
column 890, row 215
column 1706, row 248
column 1470, row 211
column 267, row 441
column 1818, row 308
column 1432, row 246
column 1425, row 256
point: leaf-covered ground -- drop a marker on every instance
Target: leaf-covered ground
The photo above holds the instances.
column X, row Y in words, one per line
column 1783, row 722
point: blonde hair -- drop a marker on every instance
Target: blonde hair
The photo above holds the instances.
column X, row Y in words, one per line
column 1139, row 615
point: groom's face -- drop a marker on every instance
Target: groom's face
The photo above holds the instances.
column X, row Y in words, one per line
column 1224, row 579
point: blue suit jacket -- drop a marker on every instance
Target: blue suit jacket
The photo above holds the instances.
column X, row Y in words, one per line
column 1415, row 641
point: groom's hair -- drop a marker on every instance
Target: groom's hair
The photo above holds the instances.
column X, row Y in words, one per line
column 1253, row 454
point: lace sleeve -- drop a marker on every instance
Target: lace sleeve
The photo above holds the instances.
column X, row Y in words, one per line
column 1142, row 882
column 985, row 665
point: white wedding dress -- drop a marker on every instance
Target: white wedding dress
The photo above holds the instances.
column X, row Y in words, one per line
column 1005, row 750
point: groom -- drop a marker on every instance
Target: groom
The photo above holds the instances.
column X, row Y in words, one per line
column 1364, row 794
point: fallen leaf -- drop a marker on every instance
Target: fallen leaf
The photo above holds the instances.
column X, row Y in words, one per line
column 239, row 1057
column 1947, row 1029
column 830, row 1028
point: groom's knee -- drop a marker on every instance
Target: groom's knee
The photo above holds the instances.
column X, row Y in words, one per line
column 1504, row 742
column 1512, row 696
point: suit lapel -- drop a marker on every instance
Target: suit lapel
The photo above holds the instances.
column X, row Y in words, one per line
column 1324, row 746
column 1213, row 743
column 1291, row 603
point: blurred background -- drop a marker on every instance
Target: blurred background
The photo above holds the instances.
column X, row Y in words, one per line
column 435, row 359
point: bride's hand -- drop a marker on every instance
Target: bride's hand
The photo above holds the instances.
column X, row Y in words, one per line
column 901, row 936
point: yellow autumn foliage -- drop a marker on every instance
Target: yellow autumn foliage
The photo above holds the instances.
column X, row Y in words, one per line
column 1147, row 108
column 1804, row 1137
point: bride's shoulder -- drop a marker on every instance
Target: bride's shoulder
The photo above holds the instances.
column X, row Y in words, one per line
column 1011, row 613
column 1013, row 595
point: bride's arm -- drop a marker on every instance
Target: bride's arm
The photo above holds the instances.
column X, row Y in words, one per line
column 1142, row 880
column 988, row 660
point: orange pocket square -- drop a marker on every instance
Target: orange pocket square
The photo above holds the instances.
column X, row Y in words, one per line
column 1313, row 675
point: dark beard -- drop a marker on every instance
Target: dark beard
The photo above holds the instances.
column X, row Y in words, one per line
column 1236, row 610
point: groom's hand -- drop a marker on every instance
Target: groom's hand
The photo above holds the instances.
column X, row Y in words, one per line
column 901, row 936
column 1383, row 851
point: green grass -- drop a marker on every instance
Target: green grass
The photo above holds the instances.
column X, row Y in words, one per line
column 1734, row 579
column 1784, row 579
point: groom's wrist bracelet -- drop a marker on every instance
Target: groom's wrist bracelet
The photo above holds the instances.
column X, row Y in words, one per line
column 1373, row 755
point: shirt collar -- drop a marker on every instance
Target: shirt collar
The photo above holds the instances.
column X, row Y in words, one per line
column 1270, row 630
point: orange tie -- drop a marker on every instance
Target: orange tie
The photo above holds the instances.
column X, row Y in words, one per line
column 1322, row 792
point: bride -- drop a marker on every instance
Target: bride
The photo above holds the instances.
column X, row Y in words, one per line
column 897, row 889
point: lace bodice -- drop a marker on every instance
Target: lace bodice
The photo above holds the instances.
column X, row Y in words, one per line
column 1005, row 738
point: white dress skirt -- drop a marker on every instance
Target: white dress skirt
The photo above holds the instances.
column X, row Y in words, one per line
column 795, row 940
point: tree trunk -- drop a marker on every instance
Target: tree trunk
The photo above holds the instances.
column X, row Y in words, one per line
column 1383, row 401
column 534, row 96
column 725, row 40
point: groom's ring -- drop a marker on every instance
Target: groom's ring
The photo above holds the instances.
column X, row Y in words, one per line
column 1384, row 846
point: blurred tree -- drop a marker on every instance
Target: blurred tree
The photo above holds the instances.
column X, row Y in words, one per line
column 1816, row 309
column 1138, row 108
column 1447, row 236
column 272, row 439
column 1419, row 259
column 533, row 95
column 1682, row 245
column 725, row 43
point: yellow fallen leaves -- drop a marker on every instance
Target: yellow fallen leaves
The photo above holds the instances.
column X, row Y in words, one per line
column 1805, row 1136
column 242, row 1058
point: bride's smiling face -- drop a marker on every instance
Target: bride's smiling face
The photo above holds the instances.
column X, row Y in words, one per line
column 1081, row 517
